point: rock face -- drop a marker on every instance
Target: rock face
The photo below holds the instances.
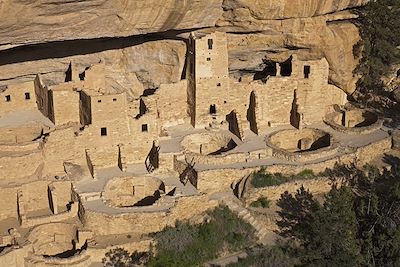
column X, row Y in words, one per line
column 245, row 11
column 310, row 37
column 151, row 63
column 37, row 21
column 43, row 36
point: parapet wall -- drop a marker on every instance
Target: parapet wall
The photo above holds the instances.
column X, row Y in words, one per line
column 21, row 165
column 146, row 222
column 316, row 186
column 210, row 181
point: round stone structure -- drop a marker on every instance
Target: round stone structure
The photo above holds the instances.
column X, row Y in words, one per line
column 301, row 145
column 133, row 191
column 354, row 120
column 210, row 143
column 300, row 140
column 54, row 239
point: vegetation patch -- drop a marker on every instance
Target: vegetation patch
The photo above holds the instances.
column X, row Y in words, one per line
column 192, row 245
column 265, row 256
column 357, row 225
column 379, row 26
column 261, row 202
column 262, row 178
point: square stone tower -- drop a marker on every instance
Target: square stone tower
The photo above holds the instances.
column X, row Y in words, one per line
column 208, row 78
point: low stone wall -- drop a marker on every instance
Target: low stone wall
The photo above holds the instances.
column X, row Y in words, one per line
column 20, row 134
column 316, row 186
column 301, row 156
column 210, row 181
column 24, row 147
column 229, row 158
column 355, row 130
column 20, row 165
column 15, row 257
column 218, row 180
column 305, row 156
column 23, row 256
column 369, row 152
column 218, row 159
column 136, row 152
column 146, row 222
column 30, row 222
column 104, row 157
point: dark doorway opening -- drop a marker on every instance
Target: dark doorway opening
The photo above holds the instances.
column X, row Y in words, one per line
column 307, row 71
column 213, row 109
column 68, row 73
column 286, row 67
column 294, row 114
column 251, row 113
column 269, row 70
column 210, row 43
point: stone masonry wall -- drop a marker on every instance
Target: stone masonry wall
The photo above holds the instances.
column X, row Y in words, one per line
column 144, row 223
column 66, row 106
column 17, row 97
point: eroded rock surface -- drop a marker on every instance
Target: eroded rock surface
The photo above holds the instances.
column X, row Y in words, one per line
column 43, row 36
column 37, row 21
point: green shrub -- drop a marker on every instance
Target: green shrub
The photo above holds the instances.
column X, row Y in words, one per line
column 193, row 245
column 263, row 179
column 261, row 202
column 121, row 258
column 307, row 173
column 265, row 256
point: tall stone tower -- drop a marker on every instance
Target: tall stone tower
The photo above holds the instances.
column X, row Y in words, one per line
column 208, row 78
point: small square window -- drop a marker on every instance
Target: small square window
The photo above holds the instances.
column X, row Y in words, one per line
column 8, row 98
column 27, row 96
column 99, row 101
column 103, row 131
column 114, row 99
column 208, row 59
column 144, row 128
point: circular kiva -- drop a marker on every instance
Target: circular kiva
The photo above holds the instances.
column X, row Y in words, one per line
column 133, row 191
column 208, row 143
column 296, row 141
column 354, row 120
column 300, row 145
column 54, row 239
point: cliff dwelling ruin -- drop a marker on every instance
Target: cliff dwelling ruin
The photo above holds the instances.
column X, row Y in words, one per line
column 82, row 164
